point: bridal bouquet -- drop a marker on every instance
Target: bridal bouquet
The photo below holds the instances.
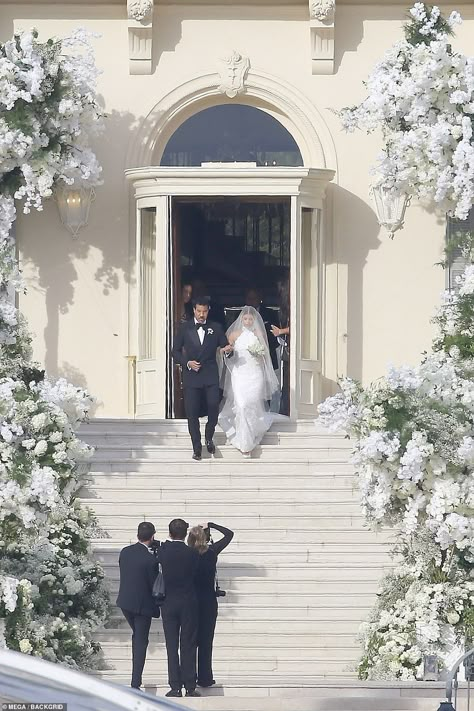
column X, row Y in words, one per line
column 256, row 349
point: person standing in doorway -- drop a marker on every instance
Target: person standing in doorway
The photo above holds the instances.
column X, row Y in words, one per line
column 138, row 571
column 282, row 333
column 195, row 349
column 200, row 539
column 179, row 565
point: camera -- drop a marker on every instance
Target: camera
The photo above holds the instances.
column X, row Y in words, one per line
column 154, row 547
column 219, row 592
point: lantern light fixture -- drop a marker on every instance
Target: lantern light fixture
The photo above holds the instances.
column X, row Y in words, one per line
column 390, row 208
column 74, row 202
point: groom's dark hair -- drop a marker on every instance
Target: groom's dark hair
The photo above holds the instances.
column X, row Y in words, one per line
column 146, row 531
column 202, row 301
column 178, row 529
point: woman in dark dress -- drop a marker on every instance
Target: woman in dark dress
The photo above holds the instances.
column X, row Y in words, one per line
column 199, row 538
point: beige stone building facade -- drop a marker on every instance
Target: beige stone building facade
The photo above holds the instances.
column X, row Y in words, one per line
column 224, row 162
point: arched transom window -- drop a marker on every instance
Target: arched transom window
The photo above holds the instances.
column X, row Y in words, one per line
column 231, row 133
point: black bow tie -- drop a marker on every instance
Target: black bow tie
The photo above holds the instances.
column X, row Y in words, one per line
column 200, row 325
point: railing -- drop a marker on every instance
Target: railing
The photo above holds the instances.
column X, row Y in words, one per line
column 452, row 682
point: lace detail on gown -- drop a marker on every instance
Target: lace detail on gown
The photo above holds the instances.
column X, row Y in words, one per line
column 244, row 417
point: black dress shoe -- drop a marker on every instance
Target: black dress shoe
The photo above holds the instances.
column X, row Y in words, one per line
column 197, row 455
column 211, row 447
column 206, row 685
column 174, row 693
column 192, row 692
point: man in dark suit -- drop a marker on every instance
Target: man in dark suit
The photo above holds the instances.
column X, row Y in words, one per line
column 195, row 348
column 179, row 564
column 138, row 571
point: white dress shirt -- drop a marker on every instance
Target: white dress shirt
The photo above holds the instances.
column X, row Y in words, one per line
column 201, row 331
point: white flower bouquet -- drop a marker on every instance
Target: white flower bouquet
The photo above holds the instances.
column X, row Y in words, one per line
column 256, row 348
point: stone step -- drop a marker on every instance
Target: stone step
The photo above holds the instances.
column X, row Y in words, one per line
column 157, row 494
column 234, row 599
column 222, row 510
column 182, row 451
column 124, row 535
column 183, row 464
column 326, row 555
column 243, row 642
column 274, row 624
column 310, row 572
column 124, row 528
column 253, row 480
column 158, row 665
column 170, row 439
column 263, row 587
column 105, row 425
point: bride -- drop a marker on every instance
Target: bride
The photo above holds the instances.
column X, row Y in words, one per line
column 249, row 383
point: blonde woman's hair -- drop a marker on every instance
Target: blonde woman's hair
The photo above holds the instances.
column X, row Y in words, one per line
column 197, row 539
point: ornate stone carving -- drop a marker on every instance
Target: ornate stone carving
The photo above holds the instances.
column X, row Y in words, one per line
column 139, row 9
column 233, row 69
column 140, row 36
column 322, row 10
column 321, row 24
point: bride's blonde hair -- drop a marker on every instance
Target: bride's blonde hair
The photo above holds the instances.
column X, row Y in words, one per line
column 197, row 539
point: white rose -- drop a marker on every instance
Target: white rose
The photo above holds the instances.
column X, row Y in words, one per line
column 41, row 448
column 28, row 443
column 453, row 618
column 25, row 646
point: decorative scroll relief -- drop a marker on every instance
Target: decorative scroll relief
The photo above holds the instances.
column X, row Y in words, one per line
column 233, row 70
column 139, row 9
column 322, row 23
column 322, row 10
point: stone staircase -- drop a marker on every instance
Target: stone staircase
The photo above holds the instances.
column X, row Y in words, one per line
column 300, row 575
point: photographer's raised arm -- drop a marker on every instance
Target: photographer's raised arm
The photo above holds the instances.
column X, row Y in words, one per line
column 228, row 535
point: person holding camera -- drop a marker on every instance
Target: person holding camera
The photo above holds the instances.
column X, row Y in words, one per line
column 179, row 610
column 199, row 538
column 138, row 571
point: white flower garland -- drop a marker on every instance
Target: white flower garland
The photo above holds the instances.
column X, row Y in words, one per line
column 52, row 595
column 422, row 97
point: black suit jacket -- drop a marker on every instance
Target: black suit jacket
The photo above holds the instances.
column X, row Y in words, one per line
column 179, row 564
column 187, row 346
column 138, row 571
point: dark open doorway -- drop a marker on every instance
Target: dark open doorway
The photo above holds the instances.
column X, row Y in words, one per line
column 222, row 247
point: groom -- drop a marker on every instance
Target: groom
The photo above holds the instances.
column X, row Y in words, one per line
column 195, row 348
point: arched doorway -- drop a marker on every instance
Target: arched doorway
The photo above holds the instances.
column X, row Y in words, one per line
column 230, row 201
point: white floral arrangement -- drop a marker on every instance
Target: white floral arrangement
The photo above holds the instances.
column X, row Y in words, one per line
column 413, row 433
column 48, row 113
column 256, row 348
column 422, row 97
column 52, row 593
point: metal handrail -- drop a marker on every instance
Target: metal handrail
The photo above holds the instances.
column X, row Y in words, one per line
column 451, row 679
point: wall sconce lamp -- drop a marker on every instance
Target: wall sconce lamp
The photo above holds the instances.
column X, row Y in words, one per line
column 74, row 202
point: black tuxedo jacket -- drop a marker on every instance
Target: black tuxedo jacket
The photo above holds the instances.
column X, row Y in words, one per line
column 179, row 564
column 187, row 346
column 138, row 571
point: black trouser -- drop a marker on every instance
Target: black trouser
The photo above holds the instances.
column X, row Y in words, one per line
column 285, row 390
column 207, row 626
column 192, row 404
column 140, row 625
column 180, row 625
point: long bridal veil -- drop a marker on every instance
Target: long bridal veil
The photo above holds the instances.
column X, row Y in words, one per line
column 250, row 323
column 249, row 383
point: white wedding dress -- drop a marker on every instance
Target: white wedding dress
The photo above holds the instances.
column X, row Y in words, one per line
column 244, row 416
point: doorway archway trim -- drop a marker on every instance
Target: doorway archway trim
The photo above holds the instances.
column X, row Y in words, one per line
column 287, row 104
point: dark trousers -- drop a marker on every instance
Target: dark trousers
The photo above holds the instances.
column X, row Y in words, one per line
column 192, row 403
column 207, row 626
column 180, row 625
column 140, row 625
column 285, row 389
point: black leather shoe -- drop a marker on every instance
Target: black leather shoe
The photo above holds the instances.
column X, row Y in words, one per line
column 211, row 447
column 192, row 692
column 175, row 693
column 197, row 455
column 206, row 686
